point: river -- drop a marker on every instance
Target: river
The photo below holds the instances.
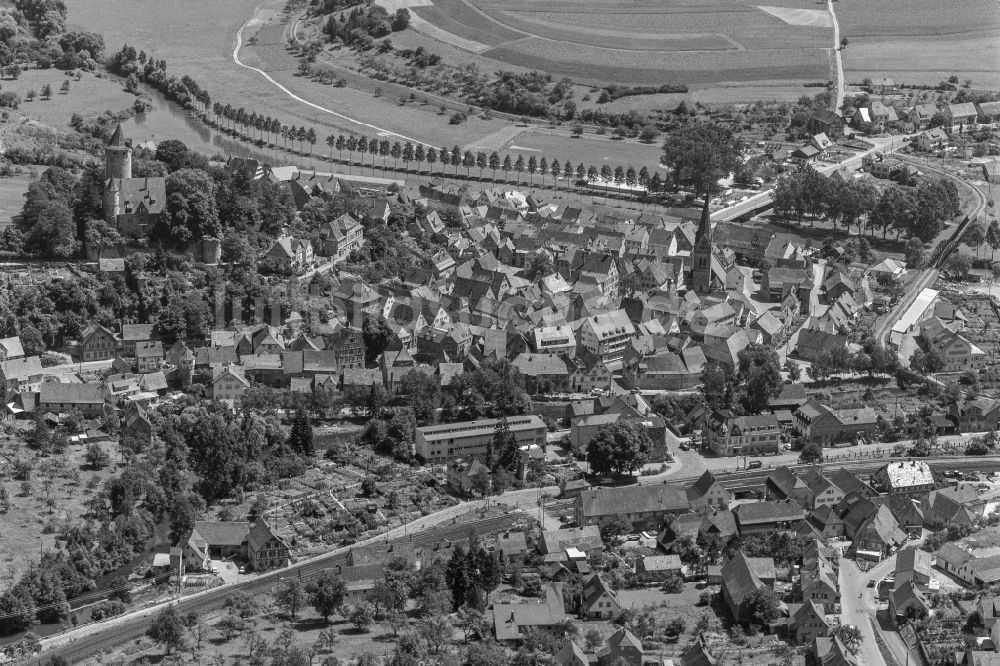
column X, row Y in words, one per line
column 167, row 120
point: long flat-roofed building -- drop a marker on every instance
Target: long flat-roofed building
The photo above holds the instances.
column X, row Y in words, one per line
column 441, row 443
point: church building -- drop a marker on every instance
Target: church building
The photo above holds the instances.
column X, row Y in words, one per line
column 131, row 205
column 707, row 272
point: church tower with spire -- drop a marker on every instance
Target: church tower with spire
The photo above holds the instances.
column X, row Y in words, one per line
column 701, row 254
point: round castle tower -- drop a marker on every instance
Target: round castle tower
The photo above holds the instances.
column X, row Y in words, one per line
column 118, row 156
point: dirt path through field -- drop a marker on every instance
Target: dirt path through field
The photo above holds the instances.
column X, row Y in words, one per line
column 837, row 54
column 256, row 19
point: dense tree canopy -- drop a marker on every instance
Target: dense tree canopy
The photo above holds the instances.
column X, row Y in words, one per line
column 619, row 448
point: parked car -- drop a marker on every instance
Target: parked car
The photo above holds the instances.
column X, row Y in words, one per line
column 755, row 464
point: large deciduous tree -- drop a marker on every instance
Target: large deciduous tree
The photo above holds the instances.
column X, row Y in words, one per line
column 619, row 448
column 192, row 213
column 760, row 373
column 701, row 154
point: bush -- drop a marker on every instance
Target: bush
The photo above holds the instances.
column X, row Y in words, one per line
column 705, row 598
column 674, row 585
column 458, row 118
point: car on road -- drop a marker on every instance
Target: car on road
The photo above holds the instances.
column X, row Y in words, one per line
column 871, row 583
column 685, row 447
column 242, row 570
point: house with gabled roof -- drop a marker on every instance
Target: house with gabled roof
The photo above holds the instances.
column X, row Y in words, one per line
column 739, row 583
column 832, row 652
column 783, row 484
column 768, row 516
column 88, row 398
column 707, row 493
column 289, row 254
column 879, row 536
column 827, row 521
column 920, row 115
column 819, row 585
column 599, row 600
column 697, row 654
column 229, row 384
column 341, row 237
column 809, row 622
column 913, row 565
column 467, row 474
column 571, row 655
column 907, row 601
column 963, row 113
column 265, row 549
column 824, row 491
column 11, row 348
column 909, row 513
column 132, row 334
column 644, row 507
column 813, row 343
column 957, row 352
column 20, row 374
column 510, row 620
column 98, row 343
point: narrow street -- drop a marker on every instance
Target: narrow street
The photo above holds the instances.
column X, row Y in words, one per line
column 858, row 605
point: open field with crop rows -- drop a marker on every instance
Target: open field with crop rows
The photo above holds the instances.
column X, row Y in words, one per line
column 922, row 41
column 926, row 60
column 644, row 43
column 586, row 63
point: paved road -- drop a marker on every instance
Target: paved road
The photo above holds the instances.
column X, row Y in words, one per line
column 857, row 606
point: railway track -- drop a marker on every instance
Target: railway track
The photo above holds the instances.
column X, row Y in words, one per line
column 983, row 464
column 104, row 638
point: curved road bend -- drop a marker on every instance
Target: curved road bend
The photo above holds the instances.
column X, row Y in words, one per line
column 381, row 130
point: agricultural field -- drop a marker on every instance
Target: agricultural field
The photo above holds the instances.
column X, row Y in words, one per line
column 925, row 60
column 923, row 41
column 642, row 43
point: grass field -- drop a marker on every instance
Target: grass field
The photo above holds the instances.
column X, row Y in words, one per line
column 90, row 96
column 12, row 197
column 30, row 524
column 421, row 123
column 592, row 150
